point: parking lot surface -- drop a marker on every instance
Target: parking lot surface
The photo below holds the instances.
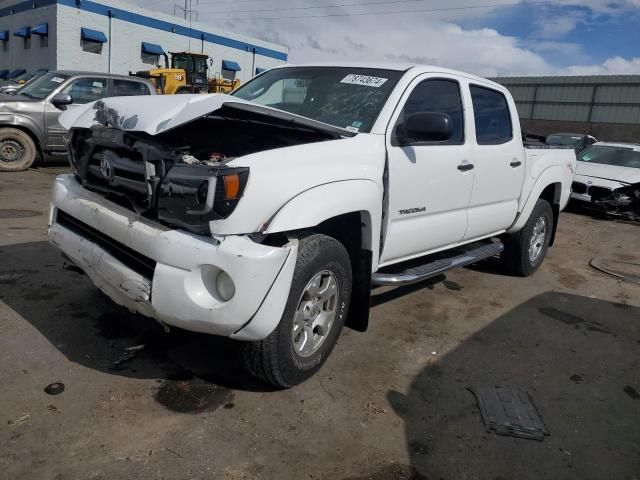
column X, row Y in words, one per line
column 389, row 404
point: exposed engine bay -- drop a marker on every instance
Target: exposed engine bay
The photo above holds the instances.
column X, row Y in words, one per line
column 182, row 177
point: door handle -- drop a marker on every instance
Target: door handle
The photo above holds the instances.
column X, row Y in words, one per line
column 515, row 163
column 463, row 167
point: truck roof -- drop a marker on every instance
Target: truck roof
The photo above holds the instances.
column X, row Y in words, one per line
column 398, row 66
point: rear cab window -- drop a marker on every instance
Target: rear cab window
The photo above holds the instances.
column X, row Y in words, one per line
column 491, row 115
column 128, row 88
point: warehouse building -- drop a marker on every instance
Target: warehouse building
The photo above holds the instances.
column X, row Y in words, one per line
column 607, row 107
column 112, row 36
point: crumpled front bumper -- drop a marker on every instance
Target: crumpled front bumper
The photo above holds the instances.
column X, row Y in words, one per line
column 179, row 289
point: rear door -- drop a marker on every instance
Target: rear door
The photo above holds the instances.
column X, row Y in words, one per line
column 498, row 157
column 429, row 184
column 82, row 90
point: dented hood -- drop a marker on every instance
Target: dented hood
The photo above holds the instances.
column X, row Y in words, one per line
column 626, row 175
column 155, row 114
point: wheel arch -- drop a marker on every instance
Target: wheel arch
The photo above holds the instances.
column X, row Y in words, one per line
column 349, row 211
column 548, row 187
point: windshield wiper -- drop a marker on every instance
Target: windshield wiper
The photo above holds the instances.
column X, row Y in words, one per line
column 28, row 95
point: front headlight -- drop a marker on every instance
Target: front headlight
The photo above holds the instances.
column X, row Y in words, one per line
column 191, row 196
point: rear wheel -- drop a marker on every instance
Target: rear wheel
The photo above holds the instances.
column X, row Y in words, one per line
column 313, row 317
column 17, row 150
column 525, row 250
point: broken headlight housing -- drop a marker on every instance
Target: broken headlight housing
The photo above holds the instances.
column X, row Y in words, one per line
column 191, row 196
column 627, row 196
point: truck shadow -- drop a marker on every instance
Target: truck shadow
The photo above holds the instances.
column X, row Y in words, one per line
column 89, row 329
column 577, row 356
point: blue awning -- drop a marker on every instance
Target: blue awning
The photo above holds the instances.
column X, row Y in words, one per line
column 4, row 74
column 17, row 72
column 152, row 48
column 23, row 32
column 93, row 35
column 229, row 65
column 4, row 36
column 42, row 29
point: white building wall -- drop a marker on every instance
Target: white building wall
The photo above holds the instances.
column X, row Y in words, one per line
column 64, row 50
column 70, row 53
column 36, row 57
column 126, row 40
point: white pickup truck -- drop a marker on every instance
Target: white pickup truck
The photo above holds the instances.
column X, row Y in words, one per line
column 268, row 215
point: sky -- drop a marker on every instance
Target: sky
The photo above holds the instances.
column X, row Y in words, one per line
column 485, row 37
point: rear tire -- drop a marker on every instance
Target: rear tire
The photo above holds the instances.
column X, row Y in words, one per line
column 17, row 150
column 313, row 317
column 525, row 250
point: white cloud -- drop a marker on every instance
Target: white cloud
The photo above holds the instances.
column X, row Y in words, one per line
column 611, row 66
column 434, row 37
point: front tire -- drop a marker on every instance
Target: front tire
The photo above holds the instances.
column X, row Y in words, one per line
column 313, row 316
column 17, row 150
column 525, row 250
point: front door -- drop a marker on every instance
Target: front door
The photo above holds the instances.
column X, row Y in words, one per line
column 429, row 183
column 82, row 90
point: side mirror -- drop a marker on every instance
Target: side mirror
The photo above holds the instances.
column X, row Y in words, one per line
column 62, row 99
column 425, row 127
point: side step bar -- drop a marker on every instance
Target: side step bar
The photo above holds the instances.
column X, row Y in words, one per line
column 465, row 255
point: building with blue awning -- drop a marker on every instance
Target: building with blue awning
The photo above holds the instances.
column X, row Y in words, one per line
column 118, row 37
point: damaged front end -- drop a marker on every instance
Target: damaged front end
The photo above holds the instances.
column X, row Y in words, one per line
column 180, row 177
column 156, row 180
column 622, row 202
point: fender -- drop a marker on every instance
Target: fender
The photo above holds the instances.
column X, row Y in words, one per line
column 549, row 176
column 314, row 206
column 14, row 120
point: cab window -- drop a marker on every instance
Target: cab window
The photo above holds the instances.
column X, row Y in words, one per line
column 126, row 88
column 491, row 115
column 438, row 96
column 85, row 90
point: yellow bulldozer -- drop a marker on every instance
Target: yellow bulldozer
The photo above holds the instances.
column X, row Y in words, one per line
column 187, row 74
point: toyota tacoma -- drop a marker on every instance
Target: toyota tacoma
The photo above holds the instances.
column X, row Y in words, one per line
column 268, row 215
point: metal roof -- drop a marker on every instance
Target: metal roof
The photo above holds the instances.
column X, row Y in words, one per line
column 568, row 79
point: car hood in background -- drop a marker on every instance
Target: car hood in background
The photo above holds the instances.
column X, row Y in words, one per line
column 157, row 114
column 626, row 175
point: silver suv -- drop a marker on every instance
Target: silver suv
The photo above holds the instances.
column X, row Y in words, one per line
column 29, row 125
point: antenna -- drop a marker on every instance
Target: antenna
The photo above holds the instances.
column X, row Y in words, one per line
column 187, row 11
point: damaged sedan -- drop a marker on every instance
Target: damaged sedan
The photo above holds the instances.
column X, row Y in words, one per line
column 608, row 179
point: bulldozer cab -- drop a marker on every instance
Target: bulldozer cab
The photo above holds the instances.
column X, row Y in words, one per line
column 195, row 67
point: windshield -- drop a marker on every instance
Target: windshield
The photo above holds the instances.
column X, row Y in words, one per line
column 610, row 155
column 42, row 86
column 349, row 98
column 573, row 140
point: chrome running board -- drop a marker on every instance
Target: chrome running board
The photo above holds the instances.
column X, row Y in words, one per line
column 464, row 255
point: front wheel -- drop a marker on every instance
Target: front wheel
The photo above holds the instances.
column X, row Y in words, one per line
column 525, row 250
column 313, row 317
column 17, row 150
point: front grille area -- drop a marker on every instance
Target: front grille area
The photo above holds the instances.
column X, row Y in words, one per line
column 120, row 178
column 578, row 187
column 137, row 262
